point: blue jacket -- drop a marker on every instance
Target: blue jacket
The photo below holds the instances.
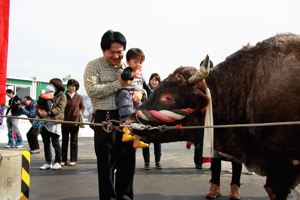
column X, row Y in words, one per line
column 30, row 110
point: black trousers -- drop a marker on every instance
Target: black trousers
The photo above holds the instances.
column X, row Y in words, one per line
column 54, row 138
column 198, row 159
column 73, row 130
column 113, row 154
column 216, row 172
column 32, row 138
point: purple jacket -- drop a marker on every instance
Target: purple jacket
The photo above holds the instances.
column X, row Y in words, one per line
column 2, row 108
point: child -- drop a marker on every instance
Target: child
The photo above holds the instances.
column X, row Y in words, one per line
column 44, row 102
column 135, row 59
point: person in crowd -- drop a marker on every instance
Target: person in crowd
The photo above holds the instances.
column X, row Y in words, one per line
column 198, row 151
column 44, row 102
column 198, row 159
column 28, row 109
column 215, row 190
column 102, row 82
column 135, row 59
column 12, row 123
column 52, row 131
column 2, row 108
column 153, row 82
column 73, row 110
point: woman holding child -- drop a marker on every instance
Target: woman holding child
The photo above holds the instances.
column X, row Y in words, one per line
column 52, row 131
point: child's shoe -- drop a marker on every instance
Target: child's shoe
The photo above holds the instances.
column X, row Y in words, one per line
column 139, row 144
column 126, row 136
column 41, row 123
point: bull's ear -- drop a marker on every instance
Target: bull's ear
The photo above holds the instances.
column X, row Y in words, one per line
column 199, row 97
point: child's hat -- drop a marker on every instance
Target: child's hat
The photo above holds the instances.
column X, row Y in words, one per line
column 49, row 88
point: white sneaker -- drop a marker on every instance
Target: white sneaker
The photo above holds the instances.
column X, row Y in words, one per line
column 20, row 146
column 46, row 166
column 8, row 146
column 56, row 166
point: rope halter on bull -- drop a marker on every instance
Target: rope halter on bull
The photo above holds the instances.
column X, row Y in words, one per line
column 162, row 116
column 169, row 116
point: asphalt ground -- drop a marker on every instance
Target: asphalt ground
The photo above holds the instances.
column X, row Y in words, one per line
column 178, row 180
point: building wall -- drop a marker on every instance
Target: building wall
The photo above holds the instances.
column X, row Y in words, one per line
column 27, row 86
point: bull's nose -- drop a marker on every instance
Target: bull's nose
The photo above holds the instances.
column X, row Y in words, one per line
column 130, row 119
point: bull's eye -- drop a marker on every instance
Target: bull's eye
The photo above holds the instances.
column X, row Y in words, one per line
column 167, row 98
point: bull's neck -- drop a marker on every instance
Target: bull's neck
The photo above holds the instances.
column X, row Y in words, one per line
column 229, row 90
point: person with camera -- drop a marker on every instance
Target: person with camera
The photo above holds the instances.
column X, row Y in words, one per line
column 12, row 123
column 28, row 109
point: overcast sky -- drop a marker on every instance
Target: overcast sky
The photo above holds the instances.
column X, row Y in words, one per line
column 54, row 38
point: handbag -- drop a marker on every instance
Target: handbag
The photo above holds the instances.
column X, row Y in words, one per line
column 81, row 120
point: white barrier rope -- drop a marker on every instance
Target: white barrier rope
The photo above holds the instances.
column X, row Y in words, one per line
column 161, row 128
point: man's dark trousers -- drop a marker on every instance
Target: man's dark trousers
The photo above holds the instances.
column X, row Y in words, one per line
column 32, row 138
column 113, row 154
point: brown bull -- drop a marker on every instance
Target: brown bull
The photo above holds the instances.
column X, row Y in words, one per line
column 256, row 84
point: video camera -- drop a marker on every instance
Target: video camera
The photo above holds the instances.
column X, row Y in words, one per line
column 20, row 103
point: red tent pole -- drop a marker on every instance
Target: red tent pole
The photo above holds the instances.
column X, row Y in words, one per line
column 4, row 24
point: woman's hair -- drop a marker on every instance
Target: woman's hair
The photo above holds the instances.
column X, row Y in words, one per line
column 156, row 76
column 73, row 82
column 110, row 37
column 135, row 53
column 58, row 84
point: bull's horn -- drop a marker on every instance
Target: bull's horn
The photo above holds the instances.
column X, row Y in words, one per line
column 202, row 73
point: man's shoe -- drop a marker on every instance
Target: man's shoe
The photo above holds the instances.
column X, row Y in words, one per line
column 147, row 166
column 8, row 146
column 72, row 164
column 198, row 167
column 35, row 151
column 56, row 166
column 214, row 191
column 235, row 192
column 46, row 166
column 20, row 146
column 63, row 163
column 229, row 170
column 158, row 165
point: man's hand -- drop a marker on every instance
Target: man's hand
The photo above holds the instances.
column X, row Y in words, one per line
column 124, row 83
column 136, row 96
column 21, row 107
column 7, row 106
